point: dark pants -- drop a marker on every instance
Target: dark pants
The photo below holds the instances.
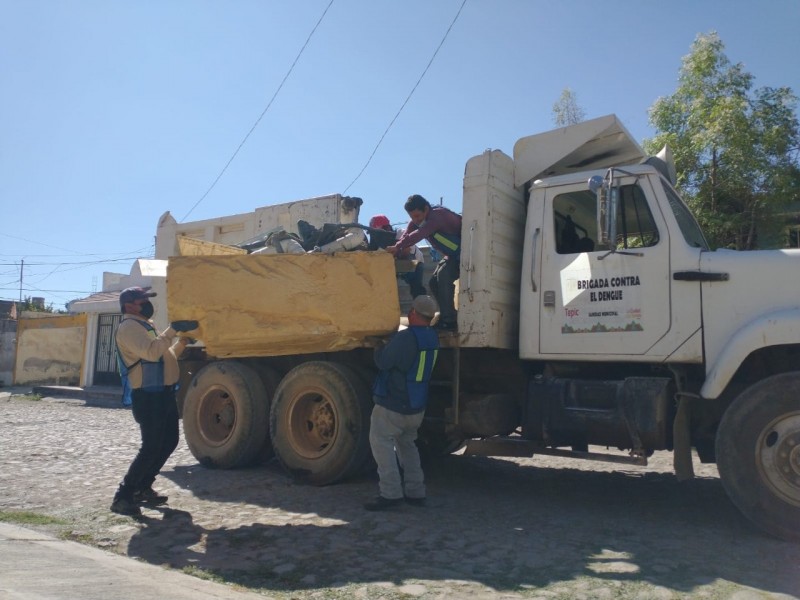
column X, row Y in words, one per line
column 443, row 286
column 157, row 416
column 414, row 280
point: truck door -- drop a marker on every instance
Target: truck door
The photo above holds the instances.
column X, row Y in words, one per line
column 594, row 301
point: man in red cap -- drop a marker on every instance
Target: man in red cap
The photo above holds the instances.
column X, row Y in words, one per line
column 412, row 278
column 148, row 360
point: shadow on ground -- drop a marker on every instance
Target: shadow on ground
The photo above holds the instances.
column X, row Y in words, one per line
column 489, row 521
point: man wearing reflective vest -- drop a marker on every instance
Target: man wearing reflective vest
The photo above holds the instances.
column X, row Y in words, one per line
column 401, row 395
column 442, row 228
column 149, row 361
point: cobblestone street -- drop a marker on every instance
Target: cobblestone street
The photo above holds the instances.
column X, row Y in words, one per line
column 494, row 528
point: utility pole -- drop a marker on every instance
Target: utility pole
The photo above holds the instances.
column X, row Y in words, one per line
column 21, row 266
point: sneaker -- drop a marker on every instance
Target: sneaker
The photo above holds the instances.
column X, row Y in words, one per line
column 124, row 506
column 150, row 497
column 415, row 501
column 381, row 503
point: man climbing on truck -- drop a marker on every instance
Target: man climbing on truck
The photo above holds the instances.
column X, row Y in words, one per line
column 442, row 228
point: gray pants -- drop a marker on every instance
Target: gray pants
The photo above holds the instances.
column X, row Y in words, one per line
column 391, row 437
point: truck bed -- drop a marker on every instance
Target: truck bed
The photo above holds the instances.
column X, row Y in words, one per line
column 284, row 304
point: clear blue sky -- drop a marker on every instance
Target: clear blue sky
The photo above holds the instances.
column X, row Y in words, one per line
column 113, row 112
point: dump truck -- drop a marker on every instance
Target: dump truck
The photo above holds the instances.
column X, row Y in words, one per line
column 592, row 318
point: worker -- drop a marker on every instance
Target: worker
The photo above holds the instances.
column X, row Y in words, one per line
column 400, row 394
column 149, row 361
column 442, row 228
column 412, row 278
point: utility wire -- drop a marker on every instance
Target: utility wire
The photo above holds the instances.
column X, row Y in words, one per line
column 411, row 93
column 264, row 112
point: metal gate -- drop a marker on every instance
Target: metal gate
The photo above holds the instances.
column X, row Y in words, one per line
column 105, row 361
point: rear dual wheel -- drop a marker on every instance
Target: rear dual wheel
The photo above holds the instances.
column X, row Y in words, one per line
column 225, row 415
column 320, row 422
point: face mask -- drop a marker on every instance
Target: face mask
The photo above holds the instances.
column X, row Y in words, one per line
column 146, row 309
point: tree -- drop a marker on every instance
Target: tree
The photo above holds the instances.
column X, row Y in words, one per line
column 736, row 149
column 35, row 305
column 566, row 110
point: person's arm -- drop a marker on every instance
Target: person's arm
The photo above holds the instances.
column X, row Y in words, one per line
column 397, row 354
column 430, row 227
column 135, row 340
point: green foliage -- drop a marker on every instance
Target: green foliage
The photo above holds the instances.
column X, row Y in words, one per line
column 736, row 149
column 31, row 306
column 566, row 110
column 23, row 517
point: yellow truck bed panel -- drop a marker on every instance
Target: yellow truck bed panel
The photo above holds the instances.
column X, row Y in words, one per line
column 282, row 304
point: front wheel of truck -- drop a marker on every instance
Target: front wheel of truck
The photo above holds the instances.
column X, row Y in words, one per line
column 758, row 454
column 225, row 415
column 319, row 422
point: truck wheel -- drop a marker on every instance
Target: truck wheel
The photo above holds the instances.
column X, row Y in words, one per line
column 320, row 422
column 758, row 454
column 225, row 415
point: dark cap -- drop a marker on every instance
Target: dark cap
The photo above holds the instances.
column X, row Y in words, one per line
column 132, row 294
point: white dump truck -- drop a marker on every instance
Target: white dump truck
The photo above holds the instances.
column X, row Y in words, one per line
column 591, row 315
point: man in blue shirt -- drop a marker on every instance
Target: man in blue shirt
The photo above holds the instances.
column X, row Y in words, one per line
column 401, row 395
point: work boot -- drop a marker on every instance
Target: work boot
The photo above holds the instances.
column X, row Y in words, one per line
column 125, row 506
column 381, row 503
column 150, row 497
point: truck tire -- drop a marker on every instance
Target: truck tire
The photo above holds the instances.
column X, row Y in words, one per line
column 225, row 415
column 758, row 454
column 320, row 422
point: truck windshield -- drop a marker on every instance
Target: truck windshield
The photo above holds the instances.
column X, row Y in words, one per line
column 686, row 222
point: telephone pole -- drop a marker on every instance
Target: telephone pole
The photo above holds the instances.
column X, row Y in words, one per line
column 21, row 267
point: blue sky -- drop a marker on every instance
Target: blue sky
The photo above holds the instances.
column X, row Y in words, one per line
column 113, row 112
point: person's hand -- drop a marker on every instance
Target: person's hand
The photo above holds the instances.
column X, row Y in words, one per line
column 375, row 341
column 393, row 250
column 181, row 326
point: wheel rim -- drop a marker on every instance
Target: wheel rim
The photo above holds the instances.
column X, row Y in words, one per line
column 312, row 424
column 216, row 417
column 778, row 457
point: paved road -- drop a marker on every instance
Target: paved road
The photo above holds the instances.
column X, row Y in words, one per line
column 495, row 528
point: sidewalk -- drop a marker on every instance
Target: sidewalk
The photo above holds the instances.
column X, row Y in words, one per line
column 35, row 565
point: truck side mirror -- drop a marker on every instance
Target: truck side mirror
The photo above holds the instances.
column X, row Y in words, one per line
column 607, row 197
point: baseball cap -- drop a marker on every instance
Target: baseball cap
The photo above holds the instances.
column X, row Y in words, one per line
column 132, row 294
column 425, row 306
column 379, row 222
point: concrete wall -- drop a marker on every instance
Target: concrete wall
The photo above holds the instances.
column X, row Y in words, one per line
column 50, row 350
column 8, row 350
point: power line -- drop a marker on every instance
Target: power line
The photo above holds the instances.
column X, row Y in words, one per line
column 89, row 262
column 264, row 112
column 411, row 93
